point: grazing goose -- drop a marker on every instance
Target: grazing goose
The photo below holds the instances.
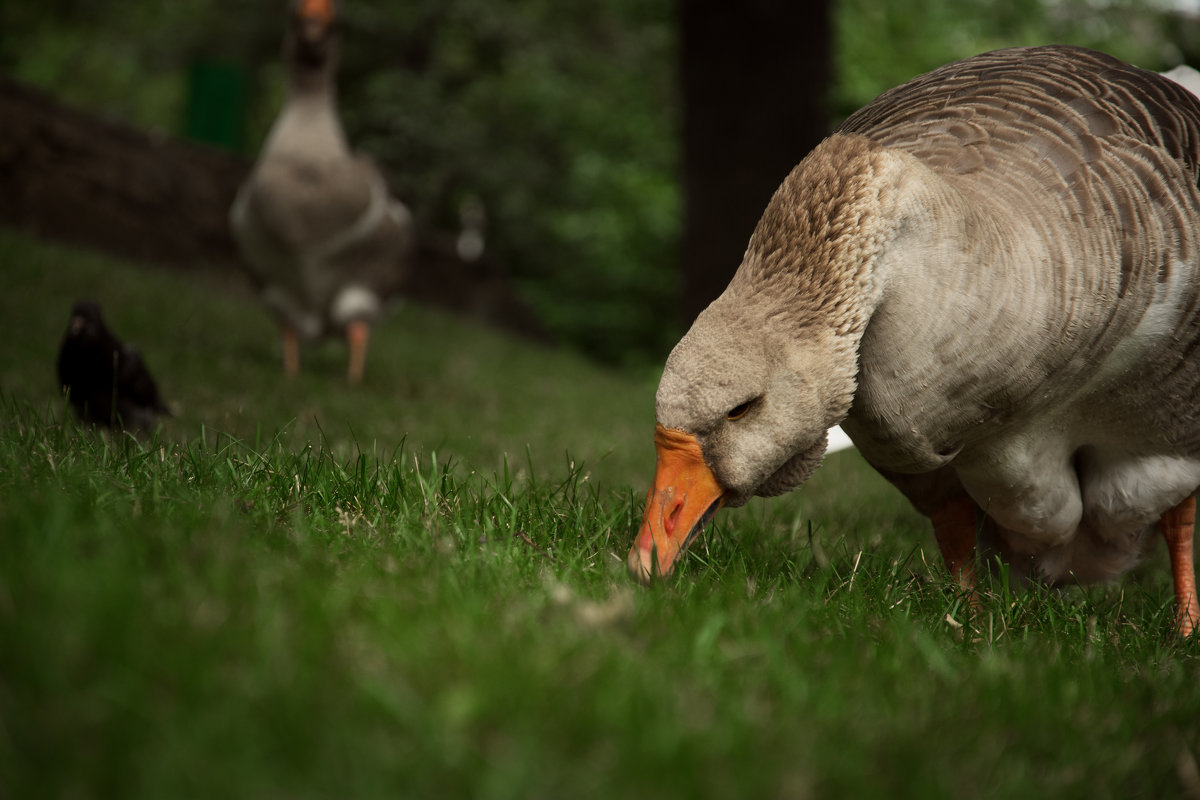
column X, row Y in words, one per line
column 315, row 223
column 105, row 380
column 990, row 276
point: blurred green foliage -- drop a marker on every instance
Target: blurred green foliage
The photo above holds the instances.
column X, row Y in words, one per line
column 881, row 44
column 562, row 119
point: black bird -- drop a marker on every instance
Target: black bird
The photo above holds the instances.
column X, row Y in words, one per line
column 106, row 381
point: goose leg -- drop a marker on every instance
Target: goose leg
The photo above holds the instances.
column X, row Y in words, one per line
column 954, row 528
column 357, row 334
column 1177, row 526
column 291, row 351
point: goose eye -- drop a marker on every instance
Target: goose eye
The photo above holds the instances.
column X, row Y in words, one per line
column 739, row 411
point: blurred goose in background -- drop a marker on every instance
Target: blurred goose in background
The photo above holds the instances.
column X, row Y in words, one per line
column 106, row 381
column 315, row 222
column 990, row 276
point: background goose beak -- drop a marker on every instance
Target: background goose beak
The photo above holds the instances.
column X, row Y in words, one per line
column 317, row 11
column 684, row 497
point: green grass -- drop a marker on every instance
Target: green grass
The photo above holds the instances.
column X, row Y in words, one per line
column 416, row 588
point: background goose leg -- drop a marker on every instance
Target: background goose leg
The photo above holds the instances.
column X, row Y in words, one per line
column 357, row 334
column 291, row 351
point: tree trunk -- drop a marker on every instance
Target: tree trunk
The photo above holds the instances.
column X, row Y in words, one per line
column 754, row 80
column 71, row 176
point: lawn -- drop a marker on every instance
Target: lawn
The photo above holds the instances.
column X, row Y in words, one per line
column 416, row 588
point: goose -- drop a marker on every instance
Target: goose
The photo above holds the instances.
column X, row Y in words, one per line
column 990, row 278
column 105, row 380
column 315, row 224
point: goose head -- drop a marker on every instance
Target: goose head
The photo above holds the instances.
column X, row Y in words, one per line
column 747, row 396
column 311, row 43
column 739, row 415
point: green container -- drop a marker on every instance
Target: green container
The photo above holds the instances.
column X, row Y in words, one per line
column 216, row 104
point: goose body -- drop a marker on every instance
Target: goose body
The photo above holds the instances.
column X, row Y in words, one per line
column 316, row 225
column 990, row 277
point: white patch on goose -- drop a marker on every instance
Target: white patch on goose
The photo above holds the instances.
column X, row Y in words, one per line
column 1123, row 496
column 1159, row 320
column 354, row 302
column 1024, row 482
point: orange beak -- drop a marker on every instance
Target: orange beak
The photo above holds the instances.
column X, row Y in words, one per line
column 685, row 496
column 318, row 11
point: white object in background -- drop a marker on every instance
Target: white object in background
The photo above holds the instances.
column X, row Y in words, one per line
column 1185, row 76
column 838, row 440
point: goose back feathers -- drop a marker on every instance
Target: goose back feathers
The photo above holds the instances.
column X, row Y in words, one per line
column 990, row 276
